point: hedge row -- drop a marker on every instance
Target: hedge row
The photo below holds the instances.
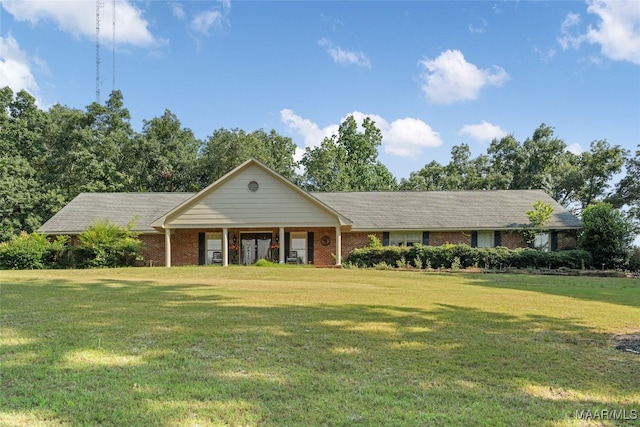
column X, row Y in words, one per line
column 32, row 251
column 462, row 256
column 101, row 245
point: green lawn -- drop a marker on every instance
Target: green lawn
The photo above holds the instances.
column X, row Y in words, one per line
column 303, row 346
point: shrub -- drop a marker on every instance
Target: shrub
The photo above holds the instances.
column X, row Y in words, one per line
column 368, row 257
column 463, row 256
column 33, row 251
column 417, row 262
column 374, row 242
column 104, row 244
column 634, row 259
column 25, row 251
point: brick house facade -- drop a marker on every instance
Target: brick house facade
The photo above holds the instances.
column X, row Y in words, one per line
column 253, row 213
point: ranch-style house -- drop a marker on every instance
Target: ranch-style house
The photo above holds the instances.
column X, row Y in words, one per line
column 253, row 213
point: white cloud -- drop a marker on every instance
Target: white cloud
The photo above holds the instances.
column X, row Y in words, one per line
column 203, row 21
column 345, row 57
column 479, row 28
column 483, row 132
column 15, row 68
column 575, row 148
column 617, row 31
column 403, row 137
column 79, row 18
column 310, row 132
column 450, row 78
column 178, row 11
column 407, row 137
column 213, row 18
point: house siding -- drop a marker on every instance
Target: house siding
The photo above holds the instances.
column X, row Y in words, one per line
column 273, row 204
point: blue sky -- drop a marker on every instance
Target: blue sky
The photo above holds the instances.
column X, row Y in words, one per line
column 432, row 74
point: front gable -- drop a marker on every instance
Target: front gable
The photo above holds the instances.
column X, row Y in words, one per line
column 252, row 195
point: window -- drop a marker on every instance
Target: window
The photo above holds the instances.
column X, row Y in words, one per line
column 299, row 244
column 404, row 238
column 542, row 242
column 214, row 245
column 485, row 239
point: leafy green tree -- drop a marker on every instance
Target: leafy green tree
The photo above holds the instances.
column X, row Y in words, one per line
column 21, row 125
column 163, row 157
column 606, row 234
column 539, row 217
column 541, row 159
column 227, row 149
column 627, row 191
column 431, row 177
column 598, row 166
column 347, row 161
column 24, row 204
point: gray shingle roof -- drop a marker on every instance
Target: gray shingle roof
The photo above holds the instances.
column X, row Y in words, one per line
column 427, row 210
column 444, row 210
column 118, row 208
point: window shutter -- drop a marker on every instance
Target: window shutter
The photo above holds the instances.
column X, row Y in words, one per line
column 201, row 249
column 474, row 239
column 310, row 247
column 497, row 238
column 385, row 238
column 287, row 245
column 425, row 238
column 554, row 240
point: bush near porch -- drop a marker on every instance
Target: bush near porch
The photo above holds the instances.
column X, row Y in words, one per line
column 463, row 256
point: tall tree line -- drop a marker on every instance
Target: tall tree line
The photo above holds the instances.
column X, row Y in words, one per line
column 48, row 157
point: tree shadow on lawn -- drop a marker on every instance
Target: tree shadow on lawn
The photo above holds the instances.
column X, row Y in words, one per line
column 621, row 291
column 159, row 355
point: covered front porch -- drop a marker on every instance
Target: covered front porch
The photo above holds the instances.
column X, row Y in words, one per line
column 253, row 213
column 320, row 246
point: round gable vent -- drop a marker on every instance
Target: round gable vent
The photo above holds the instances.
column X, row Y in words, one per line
column 253, row 186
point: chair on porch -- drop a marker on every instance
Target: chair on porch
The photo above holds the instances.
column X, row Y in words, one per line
column 216, row 258
column 293, row 257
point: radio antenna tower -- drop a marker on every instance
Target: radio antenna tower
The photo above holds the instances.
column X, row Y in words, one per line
column 98, row 7
column 113, row 47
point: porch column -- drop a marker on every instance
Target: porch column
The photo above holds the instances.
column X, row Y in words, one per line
column 282, row 245
column 338, row 246
column 225, row 247
column 167, row 247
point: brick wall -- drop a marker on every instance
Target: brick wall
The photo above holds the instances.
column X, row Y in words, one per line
column 184, row 243
column 153, row 249
column 351, row 241
column 512, row 240
column 439, row 238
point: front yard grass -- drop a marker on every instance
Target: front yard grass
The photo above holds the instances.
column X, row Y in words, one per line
column 302, row 346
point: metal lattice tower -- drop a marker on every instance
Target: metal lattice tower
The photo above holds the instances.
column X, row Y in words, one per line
column 113, row 47
column 98, row 8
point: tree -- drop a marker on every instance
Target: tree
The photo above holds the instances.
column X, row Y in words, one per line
column 24, row 204
column 539, row 217
column 627, row 191
column 431, row 177
column 163, row 157
column 347, row 161
column 607, row 234
column 226, row 149
column 597, row 167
